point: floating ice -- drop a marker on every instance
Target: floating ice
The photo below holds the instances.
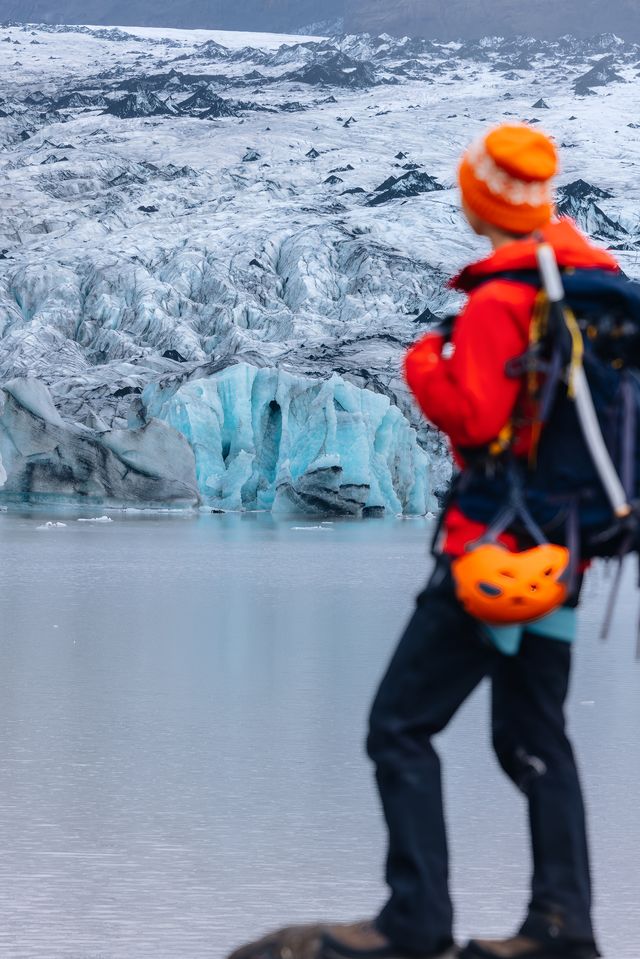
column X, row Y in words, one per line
column 95, row 519
column 50, row 525
column 311, row 527
column 268, row 439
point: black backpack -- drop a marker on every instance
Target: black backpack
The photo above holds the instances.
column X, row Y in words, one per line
column 561, row 485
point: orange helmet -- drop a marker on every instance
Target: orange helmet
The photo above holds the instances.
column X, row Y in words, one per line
column 500, row 587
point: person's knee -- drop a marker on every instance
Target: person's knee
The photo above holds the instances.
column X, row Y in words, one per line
column 504, row 749
column 396, row 739
column 393, row 738
column 383, row 734
column 523, row 766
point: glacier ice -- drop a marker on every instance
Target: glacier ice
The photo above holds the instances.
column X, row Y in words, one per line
column 47, row 459
column 269, row 439
column 241, row 438
column 139, row 254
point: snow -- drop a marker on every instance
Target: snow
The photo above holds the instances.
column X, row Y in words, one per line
column 140, row 252
column 233, row 40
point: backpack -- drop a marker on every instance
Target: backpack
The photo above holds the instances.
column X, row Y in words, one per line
column 592, row 327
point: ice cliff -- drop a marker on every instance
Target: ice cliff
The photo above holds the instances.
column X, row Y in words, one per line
column 45, row 459
column 268, row 439
column 243, row 438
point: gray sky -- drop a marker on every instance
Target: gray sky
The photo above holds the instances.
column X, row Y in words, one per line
column 443, row 19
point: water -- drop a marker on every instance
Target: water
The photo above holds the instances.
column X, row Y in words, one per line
column 182, row 711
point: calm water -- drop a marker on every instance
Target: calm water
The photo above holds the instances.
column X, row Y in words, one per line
column 182, row 710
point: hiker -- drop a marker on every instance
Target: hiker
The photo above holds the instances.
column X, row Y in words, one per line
column 505, row 181
column 520, row 382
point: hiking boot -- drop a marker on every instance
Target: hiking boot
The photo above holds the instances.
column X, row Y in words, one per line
column 294, row 942
column 363, row 940
column 521, row 947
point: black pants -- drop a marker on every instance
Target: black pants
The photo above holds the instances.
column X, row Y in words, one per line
column 441, row 658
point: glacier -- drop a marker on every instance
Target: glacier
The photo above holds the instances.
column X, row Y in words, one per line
column 281, row 203
column 48, row 460
column 242, row 438
column 268, row 439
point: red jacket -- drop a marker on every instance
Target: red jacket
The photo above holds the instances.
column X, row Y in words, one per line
column 468, row 394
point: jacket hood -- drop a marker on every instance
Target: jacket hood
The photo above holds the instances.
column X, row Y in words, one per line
column 572, row 249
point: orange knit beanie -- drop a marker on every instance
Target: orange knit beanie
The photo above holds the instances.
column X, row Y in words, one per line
column 505, row 178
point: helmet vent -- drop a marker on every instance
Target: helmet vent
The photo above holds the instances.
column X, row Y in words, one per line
column 489, row 590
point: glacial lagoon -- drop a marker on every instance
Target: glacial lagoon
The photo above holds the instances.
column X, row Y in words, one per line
column 183, row 704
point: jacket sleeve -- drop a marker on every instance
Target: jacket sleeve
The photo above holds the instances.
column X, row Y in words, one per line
column 468, row 395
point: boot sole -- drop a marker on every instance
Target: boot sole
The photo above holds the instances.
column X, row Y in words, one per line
column 472, row 952
column 328, row 952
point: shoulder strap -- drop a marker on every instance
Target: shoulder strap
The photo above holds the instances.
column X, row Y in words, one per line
column 530, row 277
column 587, row 290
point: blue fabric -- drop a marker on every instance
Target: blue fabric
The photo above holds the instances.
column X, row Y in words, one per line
column 561, row 624
column 506, row 639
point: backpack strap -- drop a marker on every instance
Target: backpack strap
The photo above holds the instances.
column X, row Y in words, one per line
column 514, row 509
column 629, row 435
column 531, row 277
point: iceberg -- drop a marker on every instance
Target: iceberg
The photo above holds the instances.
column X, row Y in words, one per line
column 269, row 439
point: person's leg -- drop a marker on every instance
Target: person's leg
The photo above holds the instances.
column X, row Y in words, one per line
column 529, row 693
column 440, row 659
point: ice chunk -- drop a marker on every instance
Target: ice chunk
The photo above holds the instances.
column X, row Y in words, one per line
column 269, row 439
column 326, row 528
column 50, row 525
column 45, row 457
column 95, row 519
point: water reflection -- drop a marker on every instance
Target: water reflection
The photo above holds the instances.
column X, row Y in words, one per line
column 182, row 708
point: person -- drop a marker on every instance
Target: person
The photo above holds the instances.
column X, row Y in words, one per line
column 466, row 386
column 505, row 180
